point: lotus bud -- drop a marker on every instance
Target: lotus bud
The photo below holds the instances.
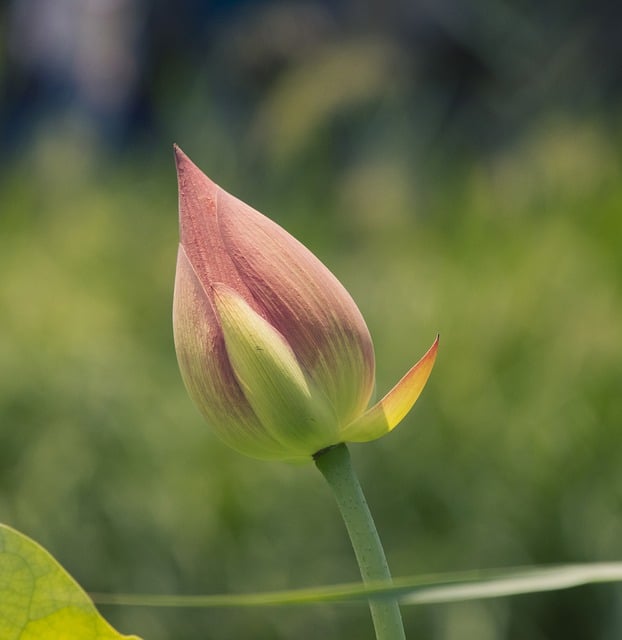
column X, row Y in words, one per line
column 271, row 347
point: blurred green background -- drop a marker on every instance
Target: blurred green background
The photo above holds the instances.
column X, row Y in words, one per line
column 457, row 166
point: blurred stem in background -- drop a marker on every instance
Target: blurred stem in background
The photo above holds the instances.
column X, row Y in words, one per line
column 336, row 466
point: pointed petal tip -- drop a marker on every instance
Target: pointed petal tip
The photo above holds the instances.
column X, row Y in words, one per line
column 182, row 161
column 192, row 182
column 179, row 154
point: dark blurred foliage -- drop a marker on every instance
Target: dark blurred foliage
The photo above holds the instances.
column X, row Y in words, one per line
column 473, row 73
column 457, row 165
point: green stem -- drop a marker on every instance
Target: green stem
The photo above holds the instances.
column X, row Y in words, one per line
column 335, row 465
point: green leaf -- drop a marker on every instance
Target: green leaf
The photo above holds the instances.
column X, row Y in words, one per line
column 39, row 600
column 436, row 589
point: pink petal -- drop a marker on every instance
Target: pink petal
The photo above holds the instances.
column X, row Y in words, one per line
column 228, row 241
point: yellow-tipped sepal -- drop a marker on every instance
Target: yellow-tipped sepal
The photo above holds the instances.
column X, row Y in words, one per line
column 386, row 414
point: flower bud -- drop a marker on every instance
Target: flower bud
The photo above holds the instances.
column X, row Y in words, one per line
column 270, row 345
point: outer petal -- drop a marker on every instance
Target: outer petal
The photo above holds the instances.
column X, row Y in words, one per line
column 199, row 228
column 229, row 242
column 308, row 305
column 386, row 414
column 288, row 407
column 206, row 370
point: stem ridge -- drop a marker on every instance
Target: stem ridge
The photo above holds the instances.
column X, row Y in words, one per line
column 335, row 465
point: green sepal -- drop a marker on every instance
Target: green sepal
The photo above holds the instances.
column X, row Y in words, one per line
column 286, row 403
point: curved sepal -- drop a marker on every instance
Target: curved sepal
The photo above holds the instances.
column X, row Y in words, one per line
column 386, row 414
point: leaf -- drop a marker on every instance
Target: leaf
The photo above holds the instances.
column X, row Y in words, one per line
column 415, row 590
column 39, row 600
